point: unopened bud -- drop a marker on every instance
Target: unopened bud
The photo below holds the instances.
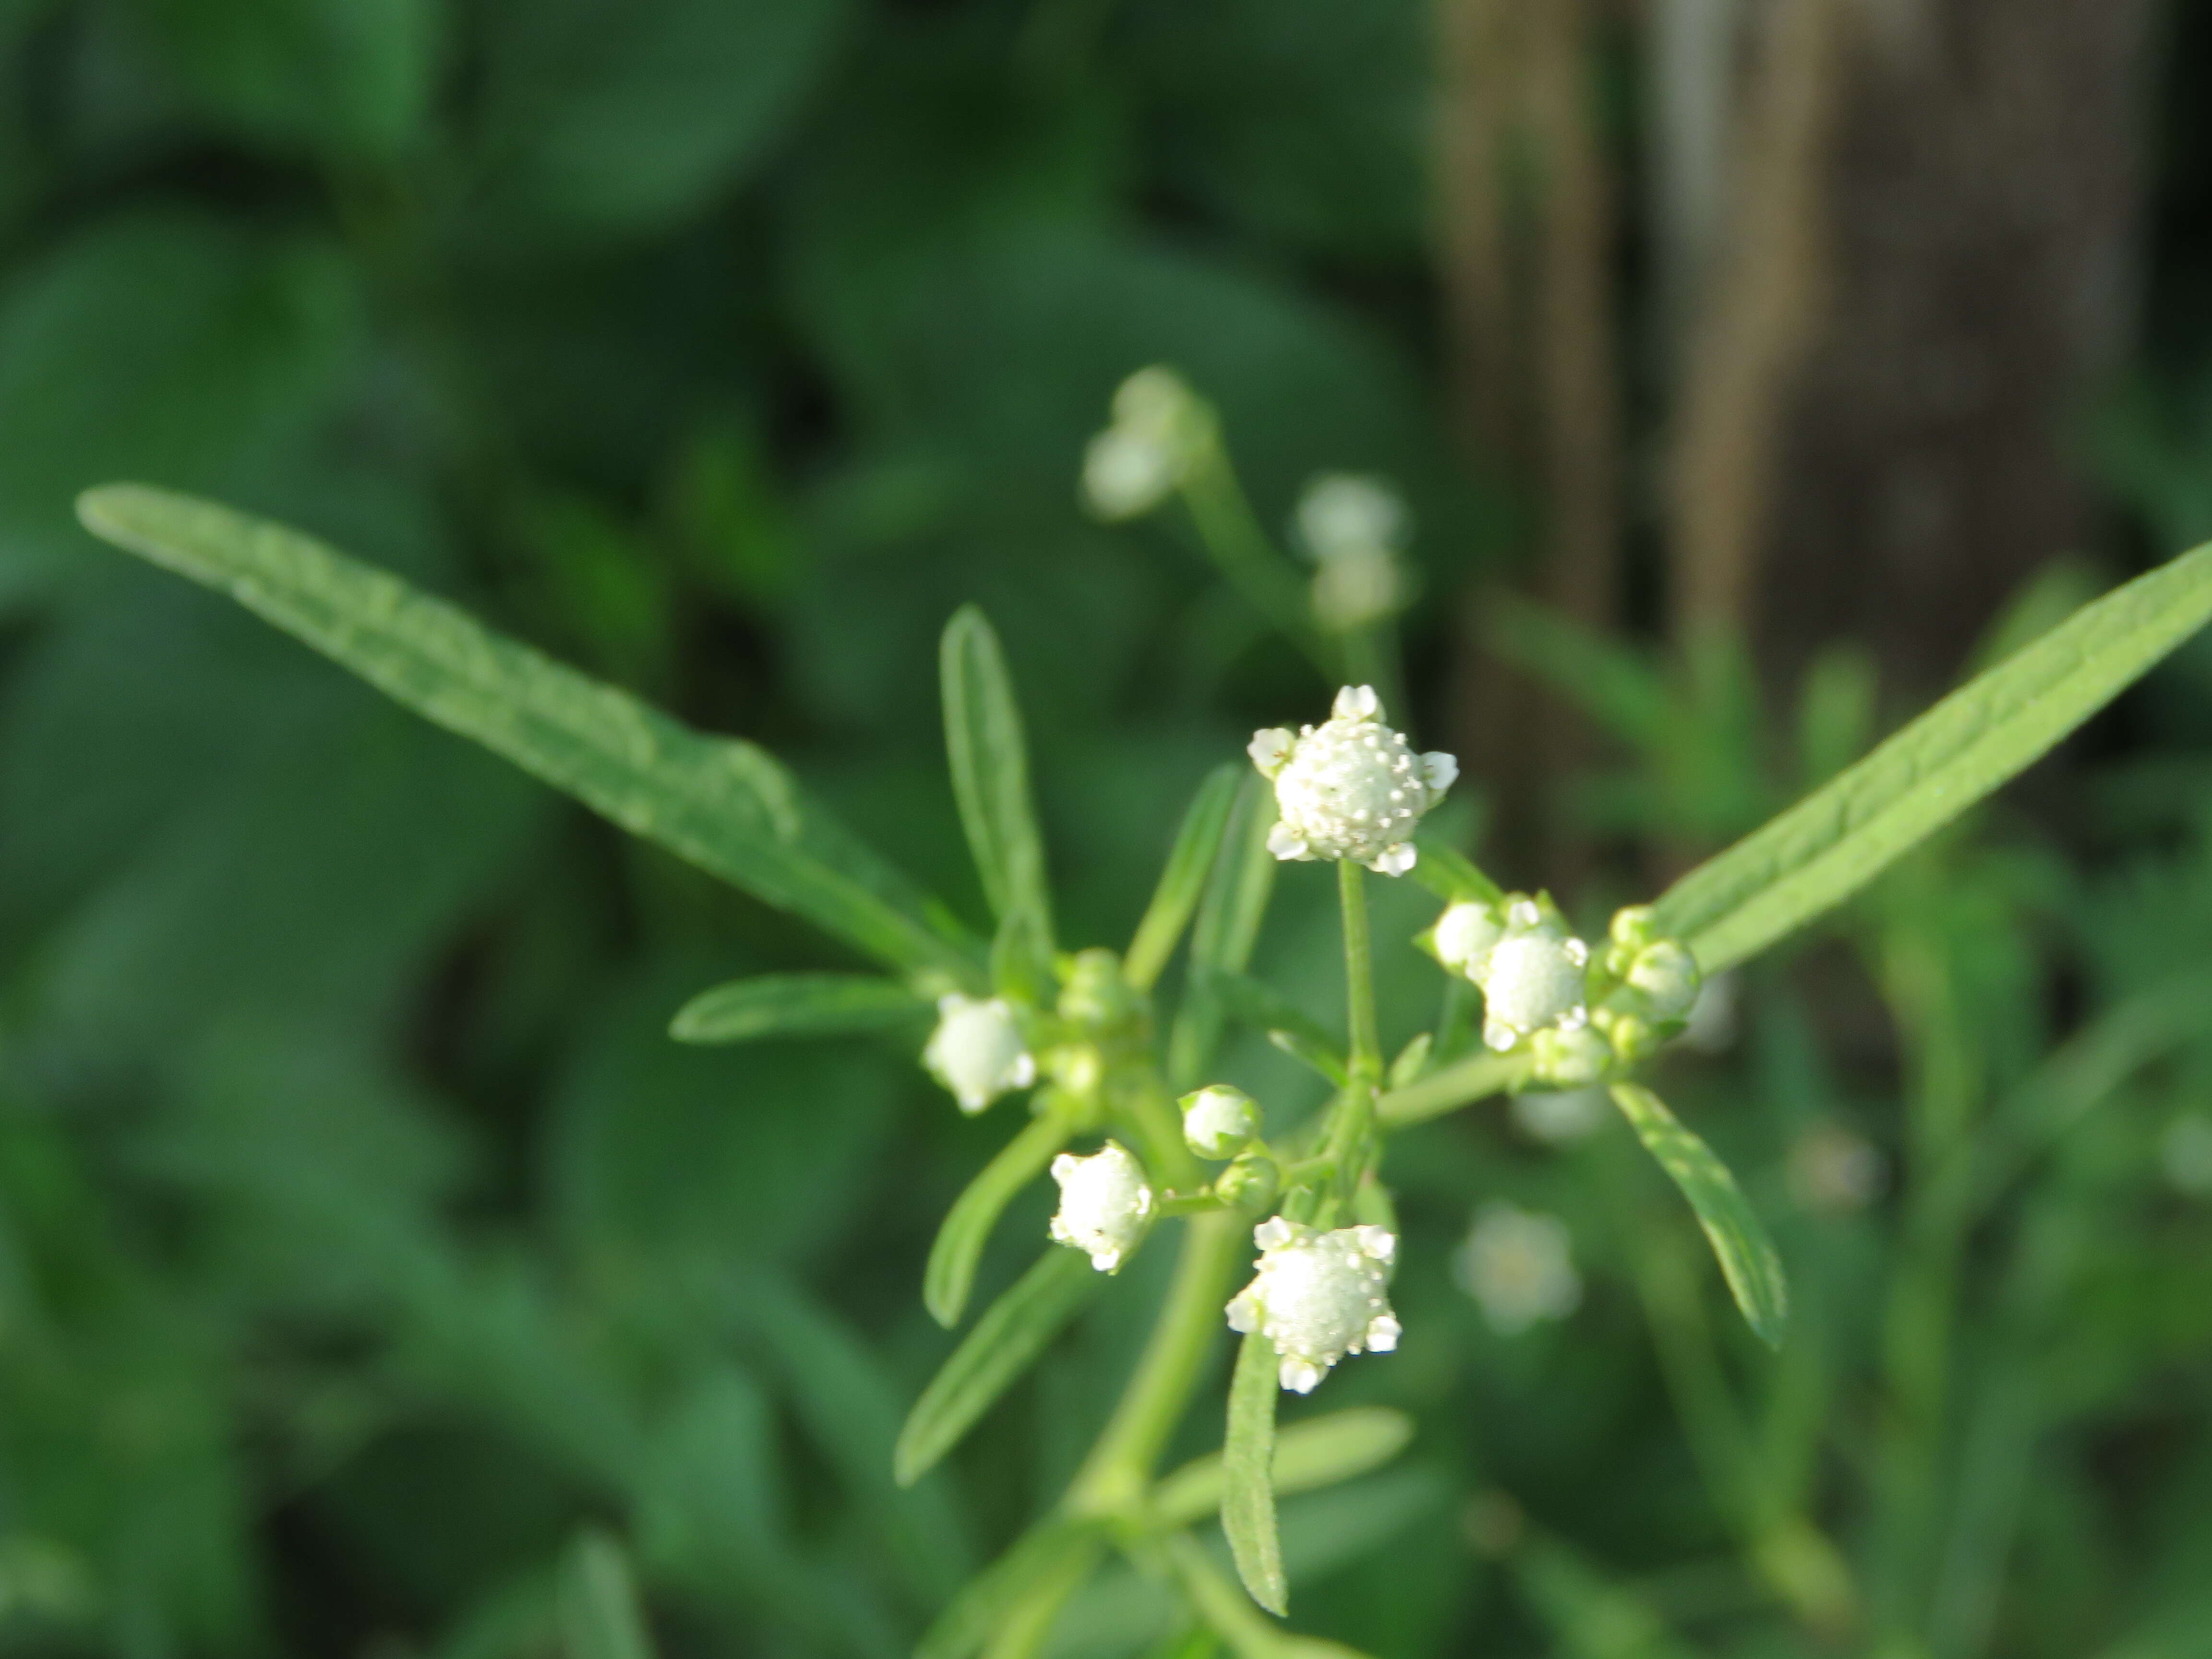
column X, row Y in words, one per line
column 1104, row 1205
column 1218, row 1122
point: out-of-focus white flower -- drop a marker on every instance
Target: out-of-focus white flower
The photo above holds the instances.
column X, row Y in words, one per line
column 1354, row 528
column 1560, row 1116
column 1834, row 1170
column 1339, row 512
column 1104, row 1205
column 1518, row 1265
column 1135, row 463
column 1218, row 1122
column 1537, row 975
column 1317, row 1296
column 977, row 1052
column 2184, row 1153
column 1350, row 788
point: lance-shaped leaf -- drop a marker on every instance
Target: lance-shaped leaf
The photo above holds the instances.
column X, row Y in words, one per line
column 1840, row 837
column 1318, row 1452
column 795, row 1005
column 1196, row 844
column 1254, row 1002
column 1747, row 1258
column 1012, row 1332
column 600, row 1615
column 990, row 764
column 722, row 804
column 1229, row 917
column 1248, row 1479
column 951, row 1273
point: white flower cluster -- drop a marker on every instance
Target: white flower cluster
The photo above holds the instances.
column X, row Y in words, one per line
column 1350, row 788
column 1518, row 1267
column 1317, row 1296
column 1534, row 973
column 1159, row 428
column 977, row 1050
column 1354, row 528
column 1105, row 1205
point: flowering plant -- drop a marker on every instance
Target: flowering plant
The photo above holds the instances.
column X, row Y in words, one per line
column 1299, row 1215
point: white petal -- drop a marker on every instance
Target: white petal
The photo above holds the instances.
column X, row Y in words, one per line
column 1244, row 1314
column 1358, row 702
column 1023, row 1072
column 1379, row 1243
column 1106, row 1260
column 1062, row 1167
column 1299, row 1375
column 1286, row 842
column 1395, row 860
column 1383, row 1334
column 1273, row 1233
column 1439, row 771
column 1269, row 748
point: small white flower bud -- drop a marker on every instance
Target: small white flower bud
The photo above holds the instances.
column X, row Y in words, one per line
column 1317, row 1296
column 1104, row 1205
column 1218, row 1122
column 1464, row 935
column 1518, row 1267
column 1350, row 788
column 1571, row 1058
column 1536, row 975
column 977, row 1051
column 1665, row 974
column 1133, row 466
column 1357, row 588
column 1347, row 512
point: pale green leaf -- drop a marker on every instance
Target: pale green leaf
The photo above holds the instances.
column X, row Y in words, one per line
column 1248, row 1488
column 1839, row 838
column 1012, row 1332
column 1747, row 1258
column 795, row 1005
column 723, row 803
column 599, row 1616
column 991, row 777
column 1196, row 844
column 1318, row 1452
column 959, row 1244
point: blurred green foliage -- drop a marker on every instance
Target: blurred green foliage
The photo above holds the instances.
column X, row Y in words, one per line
column 369, row 1257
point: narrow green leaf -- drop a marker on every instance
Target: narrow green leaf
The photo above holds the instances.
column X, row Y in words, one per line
column 991, row 775
column 1840, row 837
column 1012, row 1332
column 959, row 1244
column 1044, row 1565
column 1318, row 1452
column 722, row 804
column 1229, row 918
column 1248, row 1486
column 1196, row 844
column 1747, row 1258
column 795, row 1005
column 600, row 1615
column 1316, row 1057
column 1612, row 683
column 1451, row 875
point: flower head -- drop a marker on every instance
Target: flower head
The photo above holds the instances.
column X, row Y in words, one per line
column 1354, row 528
column 1517, row 1266
column 1133, row 466
column 1317, row 1296
column 977, row 1052
column 1350, row 788
column 1104, row 1205
column 1218, row 1122
column 1537, row 975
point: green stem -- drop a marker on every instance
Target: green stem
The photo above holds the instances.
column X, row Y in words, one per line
column 1115, row 1477
column 1359, row 976
column 1455, row 1086
column 1242, row 553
